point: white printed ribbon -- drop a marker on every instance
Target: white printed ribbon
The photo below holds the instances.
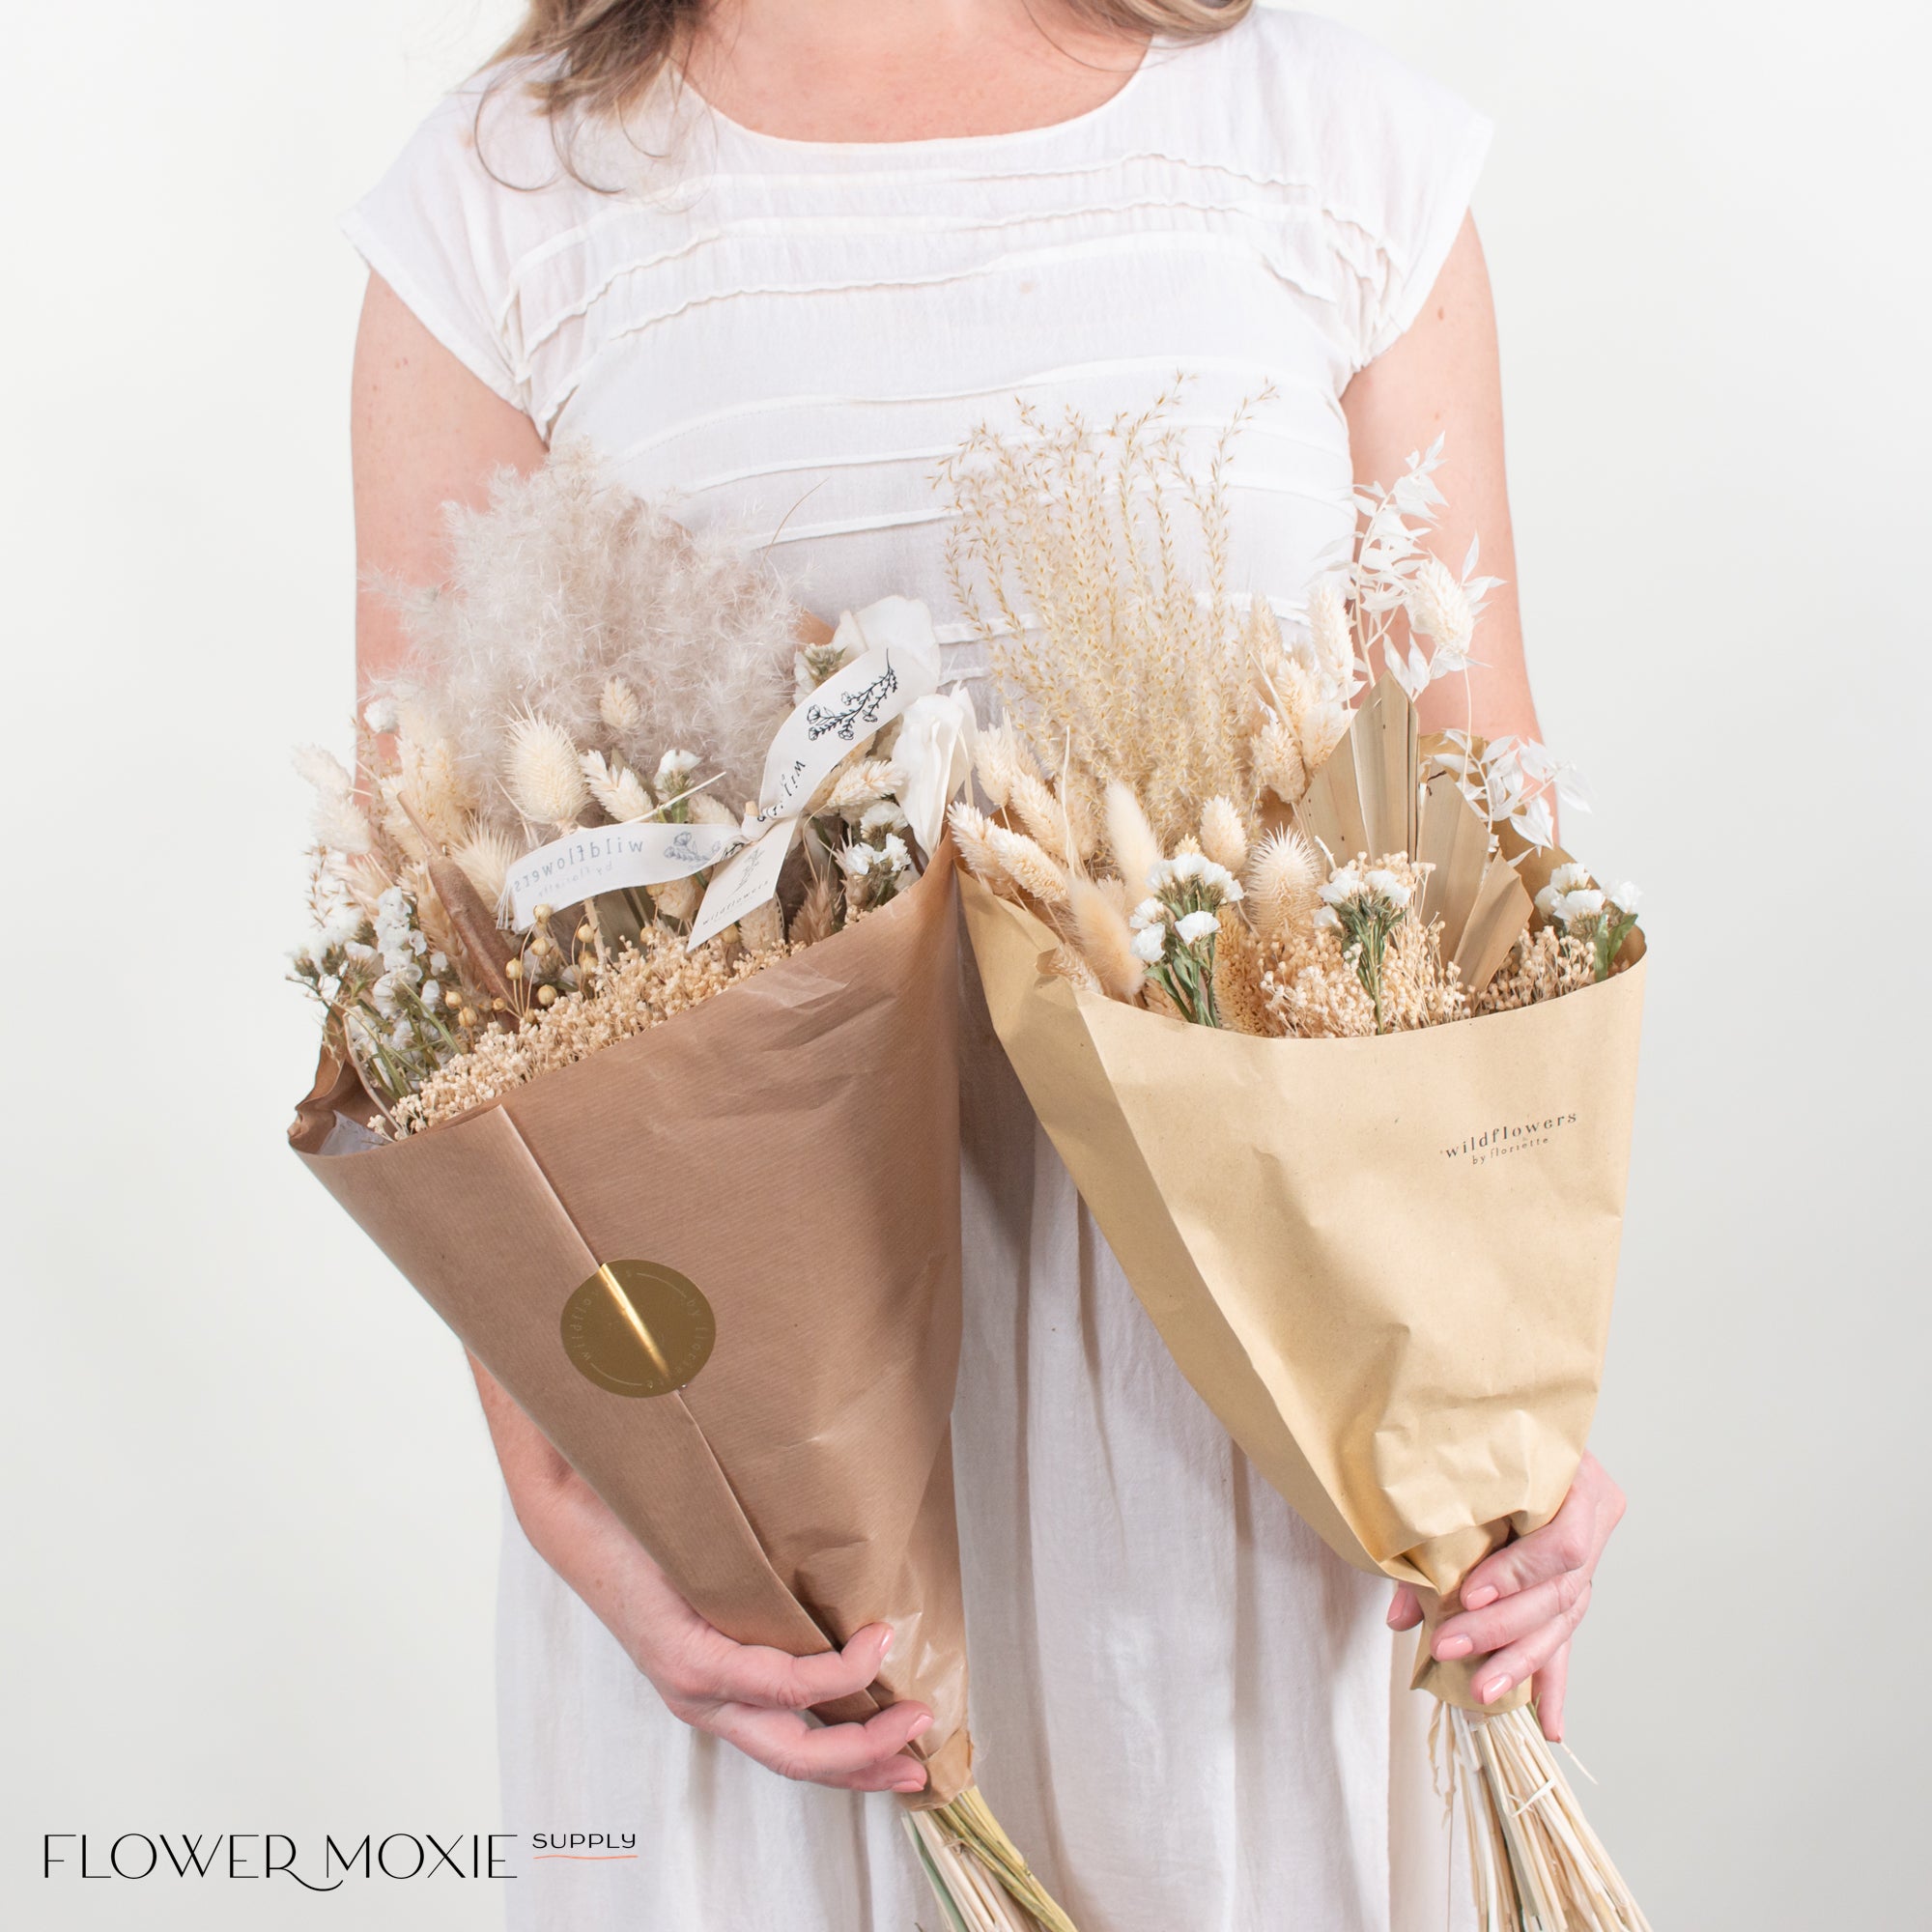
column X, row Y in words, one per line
column 896, row 666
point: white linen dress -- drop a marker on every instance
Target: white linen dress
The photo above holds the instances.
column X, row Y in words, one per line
column 1182, row 1702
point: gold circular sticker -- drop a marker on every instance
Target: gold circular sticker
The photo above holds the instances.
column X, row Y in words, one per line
column 639, row 1328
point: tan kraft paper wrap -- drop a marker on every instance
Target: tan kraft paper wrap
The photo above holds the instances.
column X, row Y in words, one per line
column 791, row 1147
column 1386, row 1264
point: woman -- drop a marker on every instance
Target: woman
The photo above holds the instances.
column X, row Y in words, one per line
column 778, row 256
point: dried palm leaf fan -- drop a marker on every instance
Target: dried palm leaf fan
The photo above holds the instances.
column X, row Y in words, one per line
column 1538, row 1865
column 1371, row 797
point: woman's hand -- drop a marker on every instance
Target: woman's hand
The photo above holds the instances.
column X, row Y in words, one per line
column 754, row 1698
column 1522, row 1605
column 757, row 1699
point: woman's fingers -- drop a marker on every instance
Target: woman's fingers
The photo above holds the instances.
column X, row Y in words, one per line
column 1567, row 1542
column 1509, row 1620
column 850, row 1757
column 1516, row 1662
column 1404, row 1611
column 751, row 1674
column 707, row 1668
column 1552, row 1682
column 1573, row 1538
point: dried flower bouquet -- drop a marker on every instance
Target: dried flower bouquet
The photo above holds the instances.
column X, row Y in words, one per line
column 540, row 863
column 1276, row 970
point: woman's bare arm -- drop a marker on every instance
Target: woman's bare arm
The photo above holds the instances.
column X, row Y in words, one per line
column 423, row 431
column 426, row 431
column 1521, row 1606
column 1442, row 379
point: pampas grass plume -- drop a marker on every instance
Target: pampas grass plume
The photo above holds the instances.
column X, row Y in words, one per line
column 817, row 918
column 570, row 598
column 1278, row 761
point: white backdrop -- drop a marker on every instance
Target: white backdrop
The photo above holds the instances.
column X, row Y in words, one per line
column 251, row 1515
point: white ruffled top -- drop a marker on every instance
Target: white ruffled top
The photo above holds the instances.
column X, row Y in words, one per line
column 788, row 336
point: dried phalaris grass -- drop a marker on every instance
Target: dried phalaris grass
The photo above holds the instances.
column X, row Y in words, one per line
column 1030, row 866
column 1150, row 721
column 1095, row 566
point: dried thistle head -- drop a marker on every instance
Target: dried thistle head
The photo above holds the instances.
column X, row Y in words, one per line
column 1283, row 878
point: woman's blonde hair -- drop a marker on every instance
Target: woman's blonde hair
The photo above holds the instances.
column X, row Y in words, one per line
column 600, row 56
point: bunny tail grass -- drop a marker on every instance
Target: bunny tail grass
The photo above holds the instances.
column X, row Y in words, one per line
column 976, row 1873
column 1537, row 1864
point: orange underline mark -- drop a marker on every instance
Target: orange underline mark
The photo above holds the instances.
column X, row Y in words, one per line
column 586, row 1857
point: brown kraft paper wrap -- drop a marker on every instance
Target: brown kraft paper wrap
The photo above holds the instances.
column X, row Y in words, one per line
column 791, row 1147
column 1385, row 1263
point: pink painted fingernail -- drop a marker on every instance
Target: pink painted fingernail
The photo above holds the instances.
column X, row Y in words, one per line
column 1480, row 1598
column 911, row 1785
column 886, row 1648
column 1450, row 1648
column 920, row 1729
column 1493, row 1688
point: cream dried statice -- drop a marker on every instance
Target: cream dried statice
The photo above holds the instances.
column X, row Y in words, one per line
column 1176, row 928
column 1580, row 910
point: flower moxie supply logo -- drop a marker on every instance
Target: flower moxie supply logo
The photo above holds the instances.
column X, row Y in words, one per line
column 585, row 1847
column 1507, row 1137
column 638, row 1328
column 140, row 1855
